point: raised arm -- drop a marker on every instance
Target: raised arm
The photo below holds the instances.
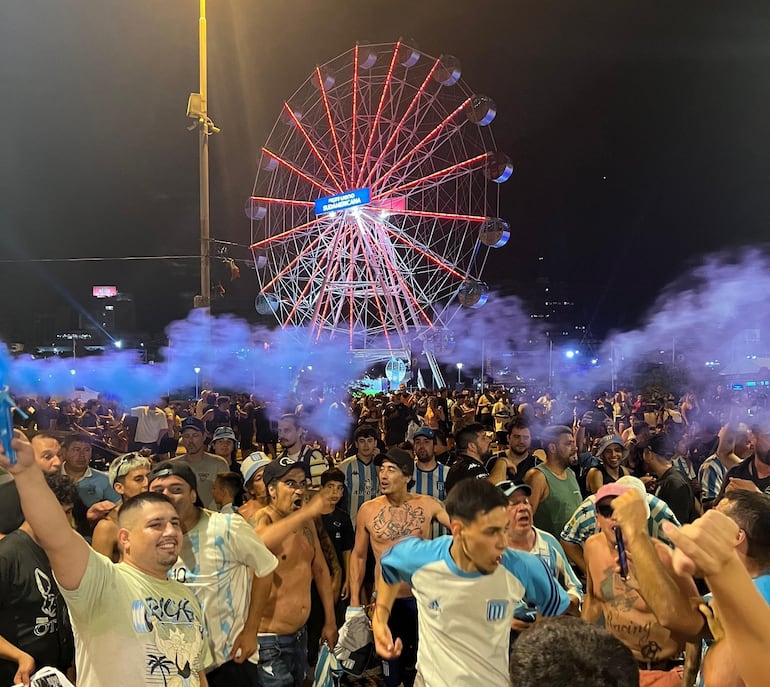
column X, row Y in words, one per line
column 671, row 596
column 707, row 548
column 274, row 533
column 66, row 550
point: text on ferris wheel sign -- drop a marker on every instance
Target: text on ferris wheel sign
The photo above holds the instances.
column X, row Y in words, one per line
column 343, row 201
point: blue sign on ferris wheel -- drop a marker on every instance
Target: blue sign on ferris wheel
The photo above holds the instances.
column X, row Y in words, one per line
column 343, row 201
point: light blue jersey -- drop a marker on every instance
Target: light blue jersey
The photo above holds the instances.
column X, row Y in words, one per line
column 362, row 484
column 431, row 483
column 465, row 617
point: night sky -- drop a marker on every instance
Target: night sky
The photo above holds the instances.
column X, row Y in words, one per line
column 638, row 131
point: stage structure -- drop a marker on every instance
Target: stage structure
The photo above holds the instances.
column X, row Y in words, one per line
column 376, row 202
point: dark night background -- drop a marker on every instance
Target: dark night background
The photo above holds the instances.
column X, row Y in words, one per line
column 638, row 131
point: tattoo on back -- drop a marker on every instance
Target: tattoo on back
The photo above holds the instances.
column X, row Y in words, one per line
column 397, row 522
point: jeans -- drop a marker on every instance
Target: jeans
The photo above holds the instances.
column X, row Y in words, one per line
column 282, row 659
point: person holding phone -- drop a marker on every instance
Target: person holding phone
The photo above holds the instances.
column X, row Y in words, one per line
column 652, row 610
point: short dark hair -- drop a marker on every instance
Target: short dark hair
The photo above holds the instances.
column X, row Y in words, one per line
column 63, row 488
column 518, row 422
column 231, row 481
column 73, row 437
column 45, row 434
column 587, row 656
column 332, row 475
column 138, row 501
column 467, row 435
column 471, row 497
column 751, row 512
column 365, row 431
column 551, row 434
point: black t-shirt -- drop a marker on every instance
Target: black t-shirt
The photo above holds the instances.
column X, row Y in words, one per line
column 746, row 470
column 11, row 515
column 675, row 489
column 462, row 468
column 32, row 612
column 340, row 530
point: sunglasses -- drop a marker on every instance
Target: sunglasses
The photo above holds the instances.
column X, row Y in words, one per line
column 605, row 510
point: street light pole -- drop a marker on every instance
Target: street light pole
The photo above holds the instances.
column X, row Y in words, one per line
column 197, row 108
column 204, row 160
column 459, row 373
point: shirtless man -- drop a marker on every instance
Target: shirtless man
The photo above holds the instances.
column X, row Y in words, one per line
column 653, row 611
column 383, row 521
column 128, row 476
column 286, row 527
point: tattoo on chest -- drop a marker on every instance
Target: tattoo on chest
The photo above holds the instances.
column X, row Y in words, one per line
column 616, row 593
column 396, row 522
column 308, row 535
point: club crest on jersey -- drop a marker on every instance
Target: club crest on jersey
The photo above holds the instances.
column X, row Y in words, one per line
column 497, row 609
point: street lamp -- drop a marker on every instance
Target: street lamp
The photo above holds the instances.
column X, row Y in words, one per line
column 459, row 373
column 197, row 371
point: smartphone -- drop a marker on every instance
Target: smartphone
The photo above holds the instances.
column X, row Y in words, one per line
column 621, row 547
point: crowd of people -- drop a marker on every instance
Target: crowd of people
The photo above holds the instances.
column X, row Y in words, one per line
column 224, row 540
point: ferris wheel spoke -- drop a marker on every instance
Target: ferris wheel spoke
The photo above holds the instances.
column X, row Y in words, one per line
column 332, row 128
column 387, row 291
column 289, row 232
column 301, row 299
column 442, row 175
column 433, row 134
column 312, row 146
column 437, row 260
column 329, row 276
column 393, row 272
column 398, row 128
column 295, row 170
column 283, row 201
column 353, row 117
column 441, row 215
column 290, row 265
column 376, row 122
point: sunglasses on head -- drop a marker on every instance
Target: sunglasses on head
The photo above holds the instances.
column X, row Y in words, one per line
column 605, row 510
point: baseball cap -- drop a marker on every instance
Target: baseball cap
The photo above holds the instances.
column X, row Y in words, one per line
column 223, row 433
column 398, row 457
column 509, row 488
column 636, row 483
column 426, row 432
column 193, row 423
column 276, row 469
column 252, row 463
column 611, row 490
column 661, row 445
column 176, row 468
column 608, row 441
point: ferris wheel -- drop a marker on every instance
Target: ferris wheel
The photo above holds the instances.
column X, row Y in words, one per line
column 376, row 200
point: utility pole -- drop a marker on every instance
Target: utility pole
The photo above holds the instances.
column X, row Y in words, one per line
column 197, row 108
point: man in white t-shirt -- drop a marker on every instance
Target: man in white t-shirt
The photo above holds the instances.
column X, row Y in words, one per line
column 227, row 567
column 151, row 427
column 133, row 626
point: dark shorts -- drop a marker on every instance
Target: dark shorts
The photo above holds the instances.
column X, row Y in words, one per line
column 232, row 674
column 282, row 660
column 403, row 626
